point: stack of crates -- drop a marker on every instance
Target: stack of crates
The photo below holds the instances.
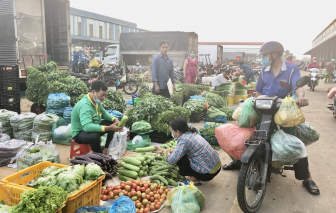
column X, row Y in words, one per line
column 10, row 88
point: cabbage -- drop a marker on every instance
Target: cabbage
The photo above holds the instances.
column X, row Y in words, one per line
column 93, row 171
column 77, row 169
column 5, row 208
column 48, row 180
column 69, row 181
column 48, row 170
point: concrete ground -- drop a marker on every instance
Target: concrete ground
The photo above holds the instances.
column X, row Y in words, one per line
column 284, row 195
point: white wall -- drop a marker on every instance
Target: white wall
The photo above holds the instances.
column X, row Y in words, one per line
column 208, row 49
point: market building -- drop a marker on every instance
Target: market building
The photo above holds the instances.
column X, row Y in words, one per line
column 324, row 45
column 97, row 31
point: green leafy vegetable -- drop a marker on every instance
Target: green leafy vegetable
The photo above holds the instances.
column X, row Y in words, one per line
column 239, row 85
column 228, row 111
column 177, row 98
column 225, row 86
column 42, row 200
column 114, row 101
column 195, row 105
column 214, row 100
column 49, row 170
column 141, row 126
column 209, row 131
column 93, row 171
column 143, row 90
column 213, row 112
column 241, row 92
column 69, row 181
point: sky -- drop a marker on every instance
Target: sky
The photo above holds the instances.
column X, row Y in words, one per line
column 294, row 23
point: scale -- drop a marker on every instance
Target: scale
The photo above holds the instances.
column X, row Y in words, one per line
column 137, row 139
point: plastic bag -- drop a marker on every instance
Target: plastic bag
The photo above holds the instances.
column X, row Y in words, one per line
column 248, row 117
column 231, row 139
column 93, row 63
column 61, row 132
column 22, row 125
column 141, row 127
column 235, row 114
column 38, row 153
column 207, row 124
column 67, row 114
column 86, row 209
column 115, row 113
column 5, row 117
column 307, row 134
column 58, row 112
column 218, row 119
column 289, row 114
column 197, row 97
column 117, row 146
column 42, row 127
column 123, row 205
column 184, row 201
column 58, row 101
column 146, row 141
column 287, row 149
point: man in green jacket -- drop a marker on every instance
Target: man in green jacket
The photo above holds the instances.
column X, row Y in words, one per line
column 86, row 119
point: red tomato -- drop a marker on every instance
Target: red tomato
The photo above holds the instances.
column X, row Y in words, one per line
column 146, row 185
column 146, row 210
column 115, row 192
column 157, row 206
column 152, row 199
column 104, row 197
column 148, row 197
column 117, row 187
column 137, row 182
column 138, row 188
column 140, row 211
column 152, row 208
column 122, row 186
column 143, row 189
column 134, row 186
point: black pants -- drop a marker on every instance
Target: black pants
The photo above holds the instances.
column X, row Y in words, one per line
column 186, row 170
column 163, row 92
column 93, row 138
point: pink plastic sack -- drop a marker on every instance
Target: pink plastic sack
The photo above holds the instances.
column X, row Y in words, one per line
column 231, row 138
column 332, row 93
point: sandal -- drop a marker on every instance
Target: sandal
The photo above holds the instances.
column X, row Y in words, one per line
column 187, row 182
column 311, row 187
column 231, row 166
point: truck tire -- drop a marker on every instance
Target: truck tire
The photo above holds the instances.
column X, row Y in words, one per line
column 37, row 109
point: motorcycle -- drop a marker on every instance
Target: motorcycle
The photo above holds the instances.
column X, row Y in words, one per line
column 80, row 67
column 255, row 170
column 332, row 107
column 115, row 78
column 314, row 80
column 85, row 78
column 179, row 75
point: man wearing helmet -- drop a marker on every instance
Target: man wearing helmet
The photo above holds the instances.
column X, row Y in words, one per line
column 314, row 64
column 278, row 77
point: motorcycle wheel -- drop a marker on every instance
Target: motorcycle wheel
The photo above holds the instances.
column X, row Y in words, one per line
column 249, row 193
column 313, row 86
column 130, row 88
column 37, row 109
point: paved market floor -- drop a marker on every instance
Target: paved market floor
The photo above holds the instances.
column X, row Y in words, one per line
column 283, row 195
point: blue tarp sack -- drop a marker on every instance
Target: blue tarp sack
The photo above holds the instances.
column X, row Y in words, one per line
column 58, row 101
column 218, row 119
column 123, row 205
column 209, row 124
column 197, row 97
column 58, row 112
column 212, row 141
column 67, row 114
column 91, row 209
column 130, row 102
column 115, row 113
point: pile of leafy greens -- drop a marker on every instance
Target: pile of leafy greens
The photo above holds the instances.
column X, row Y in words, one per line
column 143, row 90
column 92, row 172
column 114, row 101
column 46, row 79
column 177, row 98
column 228, row 111
column 164, row 119
column 214, row 100
column 195, row 105
column 188, row 90
column 141, row 126
column 44, row 199
column 148, row 109
column 213, row 112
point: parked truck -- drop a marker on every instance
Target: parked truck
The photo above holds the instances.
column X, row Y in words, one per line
column 143, row 45
column 34, row 32
column 212, row 52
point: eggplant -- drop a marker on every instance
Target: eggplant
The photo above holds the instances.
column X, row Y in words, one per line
column 104, row 156
column 75, row 161
column 96, row 162
column 94, row 157
column 108, row 175
column 113, row 162
column 83, row 158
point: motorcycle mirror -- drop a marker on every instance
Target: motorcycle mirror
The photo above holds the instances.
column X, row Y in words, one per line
column 302, row 81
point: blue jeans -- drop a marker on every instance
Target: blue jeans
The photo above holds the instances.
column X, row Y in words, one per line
column 248, row 76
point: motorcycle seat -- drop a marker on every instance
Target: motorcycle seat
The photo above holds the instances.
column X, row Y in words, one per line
column 79, row 75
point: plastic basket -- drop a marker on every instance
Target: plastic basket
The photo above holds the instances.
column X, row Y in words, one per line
column 10, row 98
column 87, row 196
column 10, row 194
column 238, row 97
column 9, row 85
column 197, row 117
column 9, row 72
column 230, row 100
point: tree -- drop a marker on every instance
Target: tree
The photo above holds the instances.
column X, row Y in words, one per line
column 287, row 53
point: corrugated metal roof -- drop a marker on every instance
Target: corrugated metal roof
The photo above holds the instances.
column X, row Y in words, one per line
column 231, row 43
column 309, row 52
column 78, row 12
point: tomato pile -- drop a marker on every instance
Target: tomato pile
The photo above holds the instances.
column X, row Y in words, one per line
column 147, row 196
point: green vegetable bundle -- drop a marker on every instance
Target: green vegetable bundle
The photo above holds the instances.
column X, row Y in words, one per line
column 149, row 109
column 241, row 92
column 47, row 79
column 44, row 199
column 141, row 126
column 307, row 134
column 5, row 117
column 192, row 89
column 239, row 85
column 195, row 105
column 164, row 119
column 143, row 90
column 236, row 79
column 214, row 100
column 228, row 111
column 208, row 131
column 223, row 93
column 225, row 86
column 177, row 98
column 114, row 101
column 213, row 112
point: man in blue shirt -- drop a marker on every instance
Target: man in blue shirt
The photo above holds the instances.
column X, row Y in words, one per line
column 278, row 77
column 162, row 70
column 248, row 72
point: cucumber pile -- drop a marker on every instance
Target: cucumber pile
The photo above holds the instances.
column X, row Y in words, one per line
column 161, row 172
column 171, row 144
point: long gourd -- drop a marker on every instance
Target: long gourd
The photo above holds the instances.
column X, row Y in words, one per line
column 132, row 161
column 130, row 166
column 146, row 149
column 123, row 121
column 128, row 173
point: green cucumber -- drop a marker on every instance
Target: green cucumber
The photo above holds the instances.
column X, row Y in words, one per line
column 172, row 182
column 123, row 121
column 130, row 166
column 146, row 149
column 140, row 158
column 132, row 161
column 124, row 178
column 128, row 173
column 158, row 177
